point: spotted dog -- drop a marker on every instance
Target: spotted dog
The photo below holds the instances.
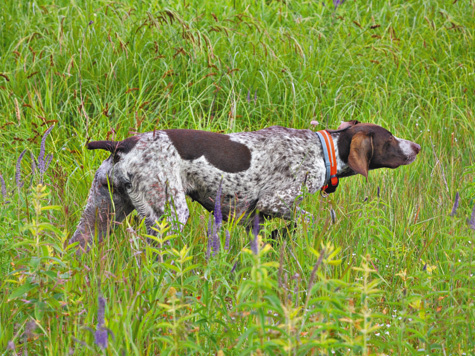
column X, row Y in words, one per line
column 264, row 171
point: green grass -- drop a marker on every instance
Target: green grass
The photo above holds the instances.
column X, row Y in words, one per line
column 398, row 272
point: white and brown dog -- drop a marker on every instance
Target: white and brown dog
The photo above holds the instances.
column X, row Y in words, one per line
column 264, row 171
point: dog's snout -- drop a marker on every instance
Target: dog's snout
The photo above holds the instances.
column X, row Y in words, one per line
column 416, row 147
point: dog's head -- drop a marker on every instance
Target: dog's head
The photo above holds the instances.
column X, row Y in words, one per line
column 368, row 146
column 108, row 200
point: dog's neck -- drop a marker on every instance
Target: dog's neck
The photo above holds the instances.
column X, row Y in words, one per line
column 343, row 170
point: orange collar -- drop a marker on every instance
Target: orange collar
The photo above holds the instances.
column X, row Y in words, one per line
column 331, row 180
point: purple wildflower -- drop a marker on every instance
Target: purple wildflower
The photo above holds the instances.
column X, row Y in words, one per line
column 255, row 233
column 218, row 216
column 100, row 335
column 234, row 266
column 255, row 97
column 471, row 222
column 11, row 345
column 101, row 310
column 4, row 188
column 228, row 237
column 47, row 161
column 456, row 204
column 19, row 183
column 338, row 3
column 248, row 96
column 49, row 157
column 90, row 23
column 379, row 191
column 215, row 241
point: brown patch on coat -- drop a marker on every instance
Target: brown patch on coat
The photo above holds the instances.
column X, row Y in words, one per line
column 218, row 149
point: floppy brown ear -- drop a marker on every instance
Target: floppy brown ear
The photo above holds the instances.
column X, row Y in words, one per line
column 345, row 124
column 361, row 151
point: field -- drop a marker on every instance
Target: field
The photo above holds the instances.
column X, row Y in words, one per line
column 387, row 267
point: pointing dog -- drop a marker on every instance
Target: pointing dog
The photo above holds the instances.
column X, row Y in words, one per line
column 263, row 171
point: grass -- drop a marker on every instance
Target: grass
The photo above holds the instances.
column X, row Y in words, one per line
column 394, row 274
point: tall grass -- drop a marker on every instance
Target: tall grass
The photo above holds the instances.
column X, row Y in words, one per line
column 394, row 273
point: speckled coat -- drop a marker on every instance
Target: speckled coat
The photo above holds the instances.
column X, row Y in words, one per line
column 267, row 170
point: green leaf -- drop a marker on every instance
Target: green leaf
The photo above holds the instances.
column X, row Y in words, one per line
column 52, row 207
column 169, row 266
column 190, row 268
column 24, row 288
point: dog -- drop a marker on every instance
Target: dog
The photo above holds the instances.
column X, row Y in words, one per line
column 264, row 171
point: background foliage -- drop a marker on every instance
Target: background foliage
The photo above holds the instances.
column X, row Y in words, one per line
column 394, row 273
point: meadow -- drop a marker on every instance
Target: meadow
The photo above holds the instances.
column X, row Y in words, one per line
column 386, row 267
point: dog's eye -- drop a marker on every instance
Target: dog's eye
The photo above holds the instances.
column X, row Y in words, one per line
column 128, row 185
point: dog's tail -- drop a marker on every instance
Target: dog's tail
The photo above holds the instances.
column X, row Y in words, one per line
column 114, row 146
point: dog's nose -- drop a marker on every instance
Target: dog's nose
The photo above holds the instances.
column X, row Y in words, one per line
column 416, row 147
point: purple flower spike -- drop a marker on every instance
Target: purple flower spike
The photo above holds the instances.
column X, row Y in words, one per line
column 19, row 183
column 255, row 233
column 248, row 96
column 215, row 242
column 256, row 226
column 100, row 336
column 338, row 3
column 4, row 188
column 471, row 222
column 456, row 204
column 11, row 345
column 101, row 311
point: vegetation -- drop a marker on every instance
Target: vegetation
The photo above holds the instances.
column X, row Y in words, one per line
column 394, row 273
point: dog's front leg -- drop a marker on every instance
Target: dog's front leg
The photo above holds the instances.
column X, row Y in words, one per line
column 151, row 200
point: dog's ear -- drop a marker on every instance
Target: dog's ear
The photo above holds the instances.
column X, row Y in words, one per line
column 361, row 152
column 345, row 124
